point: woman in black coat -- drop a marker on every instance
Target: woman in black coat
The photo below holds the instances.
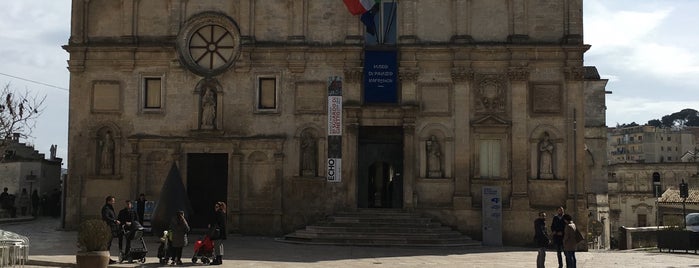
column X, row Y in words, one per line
column 218, row 222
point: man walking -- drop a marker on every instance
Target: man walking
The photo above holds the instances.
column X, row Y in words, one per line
column 542, row 239
column 558, row 225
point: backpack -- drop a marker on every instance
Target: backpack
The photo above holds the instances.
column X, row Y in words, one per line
column 578, row 236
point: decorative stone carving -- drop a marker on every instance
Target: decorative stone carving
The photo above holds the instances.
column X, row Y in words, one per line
column 106, row 150
column 353, row 75
column 461, row 74
column 490, row 94
column 208, row 103
column 408, row 75
column 546, row 162
column 434, row 158
column 518, row 73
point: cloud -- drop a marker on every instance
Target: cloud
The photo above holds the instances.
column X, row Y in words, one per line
column 641, row 110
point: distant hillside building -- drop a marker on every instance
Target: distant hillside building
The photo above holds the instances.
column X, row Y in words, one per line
column 290, row 111
column 648, row 144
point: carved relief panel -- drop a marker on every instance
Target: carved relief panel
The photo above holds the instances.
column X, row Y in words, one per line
column 490, row 95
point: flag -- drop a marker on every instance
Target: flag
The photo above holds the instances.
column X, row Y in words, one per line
column 368, row 19
column 359, row 7
column 367, row 9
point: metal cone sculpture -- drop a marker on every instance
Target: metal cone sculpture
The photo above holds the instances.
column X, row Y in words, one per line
column 173, row 198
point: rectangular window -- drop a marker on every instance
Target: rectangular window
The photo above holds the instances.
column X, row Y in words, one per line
column 490, row 158
column 669, row 138
column 384, row 25
column 662, row 148
column 642, row 220
column 630, row 138
column 152, row 92
column 267, row 93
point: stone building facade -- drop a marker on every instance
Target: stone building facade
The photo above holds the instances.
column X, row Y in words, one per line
column 239, row 94
column 649, row 144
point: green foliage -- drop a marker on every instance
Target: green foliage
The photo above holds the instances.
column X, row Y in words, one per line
column 93, row 235
column 685, row 118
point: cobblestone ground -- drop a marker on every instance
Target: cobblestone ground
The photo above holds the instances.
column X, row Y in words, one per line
column 51, row 247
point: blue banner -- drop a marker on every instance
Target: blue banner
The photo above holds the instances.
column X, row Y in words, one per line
column 380, row 76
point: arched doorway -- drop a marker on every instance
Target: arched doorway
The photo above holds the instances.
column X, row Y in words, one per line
column 380, row 159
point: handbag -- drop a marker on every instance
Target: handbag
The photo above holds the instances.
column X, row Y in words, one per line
column 578, row 236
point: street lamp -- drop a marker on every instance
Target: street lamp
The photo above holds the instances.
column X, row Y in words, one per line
column 684, row 193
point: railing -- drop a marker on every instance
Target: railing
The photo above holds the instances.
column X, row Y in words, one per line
column 14, row 249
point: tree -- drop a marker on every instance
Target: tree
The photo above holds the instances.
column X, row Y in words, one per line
column 18, row 112
column 655, row 123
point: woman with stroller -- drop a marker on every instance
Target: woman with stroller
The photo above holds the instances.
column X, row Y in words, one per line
column 179, row 229
column 218, row 222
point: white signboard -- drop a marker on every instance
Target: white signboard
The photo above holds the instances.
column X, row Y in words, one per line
column 334, row 168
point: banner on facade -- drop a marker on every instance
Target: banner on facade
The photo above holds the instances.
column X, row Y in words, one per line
column 380, row 76
column 334, row 165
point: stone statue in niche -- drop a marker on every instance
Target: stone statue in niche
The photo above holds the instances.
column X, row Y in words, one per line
column 434, row 158
column 546, row 158
column 308, row 154
column 208, row 108
column 106, row 159
column 53, row 151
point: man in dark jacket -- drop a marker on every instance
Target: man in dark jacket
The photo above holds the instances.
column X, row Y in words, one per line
column 542, row 239
column 557, row 228
column 129, row 222
column 110, row 218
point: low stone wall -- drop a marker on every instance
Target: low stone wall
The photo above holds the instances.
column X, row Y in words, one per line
column 639, row 237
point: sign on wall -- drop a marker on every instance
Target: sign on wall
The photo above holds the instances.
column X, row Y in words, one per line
column 492, row 216
column 334, row 168
column 380, row 75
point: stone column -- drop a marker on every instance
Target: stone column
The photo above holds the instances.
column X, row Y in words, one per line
column 235, row 188
column 409, row 162
column 349, row 154
column 461, row 77
column 407, row 17
column 519, row 76
column 461, row 21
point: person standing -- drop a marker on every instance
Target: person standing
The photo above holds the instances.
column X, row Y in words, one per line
column 129, row 223
column 35, row 203
column 557, row 228
column 219, row 222
column 179, row 229
column 141, row 207
column 23, row 202
column 569, row 241
column 109, row 216
column 542, row 239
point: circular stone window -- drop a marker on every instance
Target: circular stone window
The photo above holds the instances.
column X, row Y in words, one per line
column 209, row 43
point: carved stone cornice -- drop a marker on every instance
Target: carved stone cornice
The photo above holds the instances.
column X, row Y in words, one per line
column 574, row 73
column 461, row 74
column 518, row 73
column 353, row 75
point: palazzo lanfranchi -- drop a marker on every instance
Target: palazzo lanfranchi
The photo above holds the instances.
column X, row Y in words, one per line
column 477, row 113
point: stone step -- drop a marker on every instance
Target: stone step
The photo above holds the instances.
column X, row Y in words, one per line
column 379, row 227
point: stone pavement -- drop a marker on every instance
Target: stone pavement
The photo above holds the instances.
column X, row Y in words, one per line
column 51, row 247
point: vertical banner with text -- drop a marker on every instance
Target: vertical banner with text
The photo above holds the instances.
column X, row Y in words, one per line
column 334, row 168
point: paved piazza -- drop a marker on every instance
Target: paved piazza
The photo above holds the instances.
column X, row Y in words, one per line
column 51, row 247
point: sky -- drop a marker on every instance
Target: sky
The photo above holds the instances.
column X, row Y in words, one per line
column 647, row 49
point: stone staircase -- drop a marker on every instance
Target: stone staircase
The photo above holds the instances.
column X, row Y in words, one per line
column 379, row 227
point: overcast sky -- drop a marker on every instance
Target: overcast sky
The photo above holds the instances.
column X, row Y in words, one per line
column 648, row 49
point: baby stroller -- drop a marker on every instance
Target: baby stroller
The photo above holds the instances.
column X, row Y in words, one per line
column 137, row 251
column 164, row 248
column 203, row 250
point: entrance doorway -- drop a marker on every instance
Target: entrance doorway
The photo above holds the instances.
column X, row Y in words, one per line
column 380, row 160
column 207, row 182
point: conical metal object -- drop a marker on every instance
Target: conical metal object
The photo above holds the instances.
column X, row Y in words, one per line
column 173, row 198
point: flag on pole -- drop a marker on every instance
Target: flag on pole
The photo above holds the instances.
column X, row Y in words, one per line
column 359, row 7
column 367, row 9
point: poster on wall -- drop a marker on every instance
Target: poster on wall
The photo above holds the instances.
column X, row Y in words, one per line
column 492, row 216
column 334, row 163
